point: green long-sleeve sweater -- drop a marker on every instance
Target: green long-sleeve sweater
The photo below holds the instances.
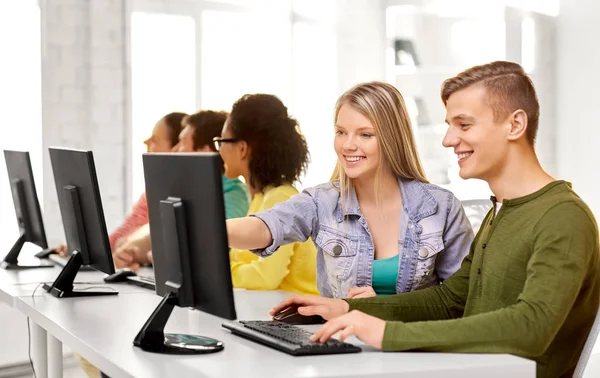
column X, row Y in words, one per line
column 530, row 286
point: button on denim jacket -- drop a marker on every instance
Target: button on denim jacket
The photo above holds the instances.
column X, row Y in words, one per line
column 434, row 236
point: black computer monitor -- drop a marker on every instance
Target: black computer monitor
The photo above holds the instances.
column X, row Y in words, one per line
column 27, row 209
column 189, row 247
column 83, row 220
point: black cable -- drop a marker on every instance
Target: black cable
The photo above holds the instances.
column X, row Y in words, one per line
column 29, row 335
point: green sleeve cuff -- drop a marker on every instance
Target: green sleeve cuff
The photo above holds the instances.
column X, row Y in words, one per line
column 351, row 303
column 391, row 336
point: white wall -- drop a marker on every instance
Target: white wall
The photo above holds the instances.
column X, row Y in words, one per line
column 361, row 41
column 578, row 98
column 84, row 96
column 86, row 84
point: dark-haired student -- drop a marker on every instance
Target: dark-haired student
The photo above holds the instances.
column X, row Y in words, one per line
column 263, row 144
column 197, row 135
column 164, row 137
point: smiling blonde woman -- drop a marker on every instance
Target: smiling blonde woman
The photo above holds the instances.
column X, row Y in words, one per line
column 378, row 225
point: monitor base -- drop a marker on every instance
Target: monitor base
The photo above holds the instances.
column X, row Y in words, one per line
column 75, row 293
column 185, row 344
column 152, row 338
column 62, row 287
column 11, row 260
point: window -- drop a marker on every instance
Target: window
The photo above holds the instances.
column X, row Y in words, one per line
column 478, row 41
column 20, row 96
column 315, row 67
column 528, row 44
column 316, row 10
column 163, row 77
column 244, row 52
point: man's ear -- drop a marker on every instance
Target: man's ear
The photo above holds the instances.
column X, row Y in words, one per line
column 244, row 149
column 518, row 124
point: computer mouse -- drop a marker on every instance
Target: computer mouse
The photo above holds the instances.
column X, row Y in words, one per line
column 44, row 253
column 290, row 315
column 119, row 276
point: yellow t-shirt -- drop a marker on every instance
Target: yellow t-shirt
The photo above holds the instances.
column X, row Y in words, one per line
column 291, row 268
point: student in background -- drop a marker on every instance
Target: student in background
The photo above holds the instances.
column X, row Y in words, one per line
column 197, row 135
column 379, row 226
column 165, row 135
column 531, row 283
column 262, row 143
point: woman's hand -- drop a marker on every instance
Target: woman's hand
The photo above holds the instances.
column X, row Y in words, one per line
column 361, row 292
column 327, row 308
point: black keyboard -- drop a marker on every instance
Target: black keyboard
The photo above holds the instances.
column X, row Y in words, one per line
column 63, row 260
column 287, row 338
column 142, row 281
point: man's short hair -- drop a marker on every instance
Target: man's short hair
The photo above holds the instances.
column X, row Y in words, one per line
column 508, row 89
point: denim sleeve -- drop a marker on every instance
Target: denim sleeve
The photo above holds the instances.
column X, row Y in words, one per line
column 458, row 236
column 290, row 221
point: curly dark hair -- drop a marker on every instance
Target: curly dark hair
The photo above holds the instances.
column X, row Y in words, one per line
column 279, row 153
column 173, row 122
column 207, row 124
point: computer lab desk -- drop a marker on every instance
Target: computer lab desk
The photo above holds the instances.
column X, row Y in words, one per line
column 102, row 330
column 46, row 350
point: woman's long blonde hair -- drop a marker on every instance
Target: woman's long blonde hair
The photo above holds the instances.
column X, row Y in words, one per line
column 384, row 107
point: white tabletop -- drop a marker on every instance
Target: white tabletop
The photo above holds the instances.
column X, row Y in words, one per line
column 22, row 283
column 102, row 329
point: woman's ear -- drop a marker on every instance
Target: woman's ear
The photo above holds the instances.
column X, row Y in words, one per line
column 518, row 124
column 244, row 148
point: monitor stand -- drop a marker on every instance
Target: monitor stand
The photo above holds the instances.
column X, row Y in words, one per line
column 11, row 260
column 62, row 287
column 152, row 338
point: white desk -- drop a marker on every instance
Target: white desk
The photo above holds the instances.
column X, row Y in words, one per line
column 102, row 330
column 47, row 349
column 21, row 283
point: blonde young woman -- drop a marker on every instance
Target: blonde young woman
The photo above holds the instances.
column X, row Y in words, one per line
column 378, row 225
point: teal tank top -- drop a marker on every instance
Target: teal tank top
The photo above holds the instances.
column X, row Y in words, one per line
column 385, row 275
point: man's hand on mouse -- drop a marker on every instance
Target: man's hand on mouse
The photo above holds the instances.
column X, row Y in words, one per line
column 367, row 328
column 307, row 305
column 361, row 292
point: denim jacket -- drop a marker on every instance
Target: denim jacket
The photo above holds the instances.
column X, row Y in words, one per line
column 434, row 236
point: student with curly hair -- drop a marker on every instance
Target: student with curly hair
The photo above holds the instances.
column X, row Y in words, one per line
column 263, row 144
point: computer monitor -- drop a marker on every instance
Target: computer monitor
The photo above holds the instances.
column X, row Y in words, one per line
column 27, row 209
column 189, row 247
column 83, row 220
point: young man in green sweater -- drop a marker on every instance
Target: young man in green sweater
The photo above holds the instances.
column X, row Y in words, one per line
column 530, row 285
